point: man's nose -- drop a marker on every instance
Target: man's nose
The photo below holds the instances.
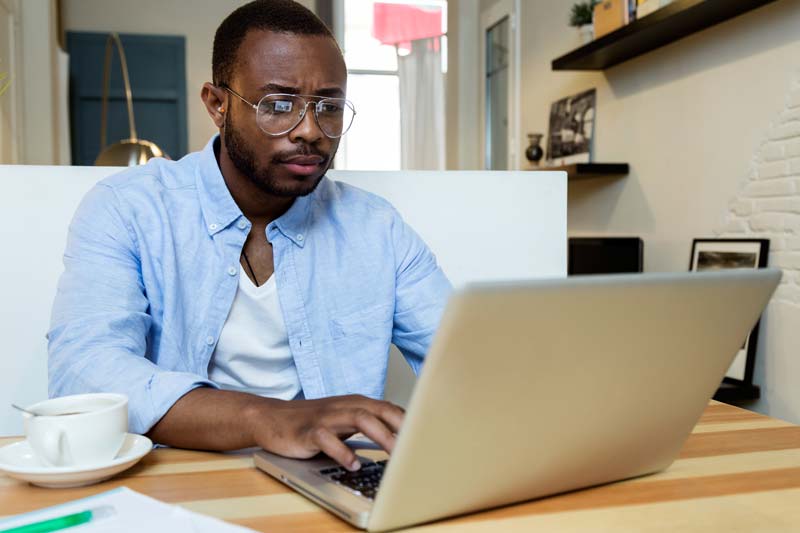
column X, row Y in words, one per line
column 308, row 130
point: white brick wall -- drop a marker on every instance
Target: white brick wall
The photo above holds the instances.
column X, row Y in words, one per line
column 768, row 206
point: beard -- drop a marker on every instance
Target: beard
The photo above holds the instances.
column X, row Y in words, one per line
column 244, row 159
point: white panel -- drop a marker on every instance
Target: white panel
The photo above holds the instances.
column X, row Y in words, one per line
column 37, row 203
column 481, row 225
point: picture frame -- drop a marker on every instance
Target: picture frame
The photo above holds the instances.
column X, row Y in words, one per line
column 718, row 254
column 570, row 134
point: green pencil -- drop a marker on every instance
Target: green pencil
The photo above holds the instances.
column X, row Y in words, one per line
column 63, row 522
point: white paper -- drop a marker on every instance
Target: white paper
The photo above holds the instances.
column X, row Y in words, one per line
column 133, row 512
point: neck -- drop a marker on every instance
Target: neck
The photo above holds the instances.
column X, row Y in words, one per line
column 258, row 206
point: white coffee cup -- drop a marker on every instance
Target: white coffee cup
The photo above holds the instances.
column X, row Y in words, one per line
column 80, row 430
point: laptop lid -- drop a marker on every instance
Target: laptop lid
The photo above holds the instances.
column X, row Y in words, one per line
column 537, row 388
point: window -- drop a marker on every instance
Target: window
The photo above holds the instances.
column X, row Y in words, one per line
column 373, row 82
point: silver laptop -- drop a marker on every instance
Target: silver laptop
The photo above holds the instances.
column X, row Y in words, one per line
column 536, row 388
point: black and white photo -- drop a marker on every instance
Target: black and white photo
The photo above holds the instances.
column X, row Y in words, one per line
column 571, row 129
column 719, row 254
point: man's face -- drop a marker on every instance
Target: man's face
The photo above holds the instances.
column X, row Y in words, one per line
column 292, row 164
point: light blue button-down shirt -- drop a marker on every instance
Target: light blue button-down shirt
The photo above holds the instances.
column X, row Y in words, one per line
column 152, row 266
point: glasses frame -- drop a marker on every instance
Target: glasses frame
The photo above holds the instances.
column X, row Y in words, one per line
column 305, row 99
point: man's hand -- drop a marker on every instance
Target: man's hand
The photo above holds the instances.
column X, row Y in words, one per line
column 210, row 419
column 302, row 429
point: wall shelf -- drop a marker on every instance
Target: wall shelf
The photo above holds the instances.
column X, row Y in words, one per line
column 580, row 171
column 668, row 24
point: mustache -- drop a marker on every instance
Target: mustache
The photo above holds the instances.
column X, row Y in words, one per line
column 303, row 150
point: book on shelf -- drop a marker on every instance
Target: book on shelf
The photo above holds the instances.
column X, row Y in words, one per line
column 631, row 14
column 645, row 7
column 610, row 15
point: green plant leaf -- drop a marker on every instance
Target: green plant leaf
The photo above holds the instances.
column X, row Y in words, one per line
column 582, row 13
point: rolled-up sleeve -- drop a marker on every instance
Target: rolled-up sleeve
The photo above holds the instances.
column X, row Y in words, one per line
column 421, row 293
column 100, row 324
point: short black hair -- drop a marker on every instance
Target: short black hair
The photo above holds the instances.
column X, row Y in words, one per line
column 282, row 16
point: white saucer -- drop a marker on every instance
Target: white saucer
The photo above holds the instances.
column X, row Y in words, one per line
column 19, row 461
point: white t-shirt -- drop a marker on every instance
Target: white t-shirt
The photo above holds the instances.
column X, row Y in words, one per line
column 253, row 353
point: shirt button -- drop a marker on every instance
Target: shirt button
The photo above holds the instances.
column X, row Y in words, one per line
column 232, row 271
column 209, row 340
column 212, row 227
column 300, row 237
column 242, row 224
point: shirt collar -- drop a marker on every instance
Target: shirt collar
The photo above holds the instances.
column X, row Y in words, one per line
column 294, row 223
column 219, row 207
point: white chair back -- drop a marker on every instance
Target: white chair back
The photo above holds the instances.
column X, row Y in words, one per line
column 480, row 225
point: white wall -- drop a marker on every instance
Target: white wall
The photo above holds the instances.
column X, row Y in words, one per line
column 33, row 126
column 768, row 206
column 40, row 111
column 196, row 21
column 10, row 101
column 690, row 118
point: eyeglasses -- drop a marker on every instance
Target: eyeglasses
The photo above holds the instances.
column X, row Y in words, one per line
column 278, row 114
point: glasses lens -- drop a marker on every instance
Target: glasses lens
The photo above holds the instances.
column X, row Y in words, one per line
column 279, row 113
column 334, row 116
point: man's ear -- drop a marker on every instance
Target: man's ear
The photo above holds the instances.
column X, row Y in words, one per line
column 216, row 102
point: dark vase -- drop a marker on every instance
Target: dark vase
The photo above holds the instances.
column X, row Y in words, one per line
column 534, row 151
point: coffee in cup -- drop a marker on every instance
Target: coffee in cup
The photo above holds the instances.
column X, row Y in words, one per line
column 80, row 430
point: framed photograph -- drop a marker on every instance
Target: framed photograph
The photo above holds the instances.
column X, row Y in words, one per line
column 571, row 129
column 718, row 254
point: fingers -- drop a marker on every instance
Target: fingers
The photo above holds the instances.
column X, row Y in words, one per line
column 392, row 415
column 373, row 427
column 334, row 448
column 302, row 429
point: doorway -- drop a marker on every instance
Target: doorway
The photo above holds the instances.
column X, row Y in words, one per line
column 500, row 85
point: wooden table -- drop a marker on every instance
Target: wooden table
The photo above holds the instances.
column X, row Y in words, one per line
column 739, row 471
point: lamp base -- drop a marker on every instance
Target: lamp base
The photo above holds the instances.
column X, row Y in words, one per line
column 128, row 153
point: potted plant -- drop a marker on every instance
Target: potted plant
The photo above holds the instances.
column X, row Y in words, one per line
column 580, row 17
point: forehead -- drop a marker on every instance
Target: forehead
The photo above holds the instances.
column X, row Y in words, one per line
column 307, row 62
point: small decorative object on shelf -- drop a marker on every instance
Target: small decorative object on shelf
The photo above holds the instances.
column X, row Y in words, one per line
column 580, row 17
column 534, row 152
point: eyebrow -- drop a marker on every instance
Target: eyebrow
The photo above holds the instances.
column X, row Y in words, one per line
column 285, row 89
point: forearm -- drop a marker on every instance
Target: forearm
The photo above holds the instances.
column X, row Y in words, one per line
column 211, row 419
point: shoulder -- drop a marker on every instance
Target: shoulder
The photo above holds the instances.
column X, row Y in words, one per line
column 348, row 201
column 155, row 177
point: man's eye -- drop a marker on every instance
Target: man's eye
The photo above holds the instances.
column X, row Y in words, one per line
column 330, row 107
column 280, row 106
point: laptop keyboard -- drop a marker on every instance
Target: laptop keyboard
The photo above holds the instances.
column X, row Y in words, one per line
column 364, row 482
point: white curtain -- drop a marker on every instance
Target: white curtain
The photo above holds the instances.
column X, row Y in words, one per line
column 422, row 106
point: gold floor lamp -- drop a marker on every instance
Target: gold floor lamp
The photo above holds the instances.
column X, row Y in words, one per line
column 127, row 152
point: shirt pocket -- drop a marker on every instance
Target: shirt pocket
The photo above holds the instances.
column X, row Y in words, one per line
column 374, row 322
column 361, row 342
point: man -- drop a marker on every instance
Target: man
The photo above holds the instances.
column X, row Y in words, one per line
column 237, row 296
